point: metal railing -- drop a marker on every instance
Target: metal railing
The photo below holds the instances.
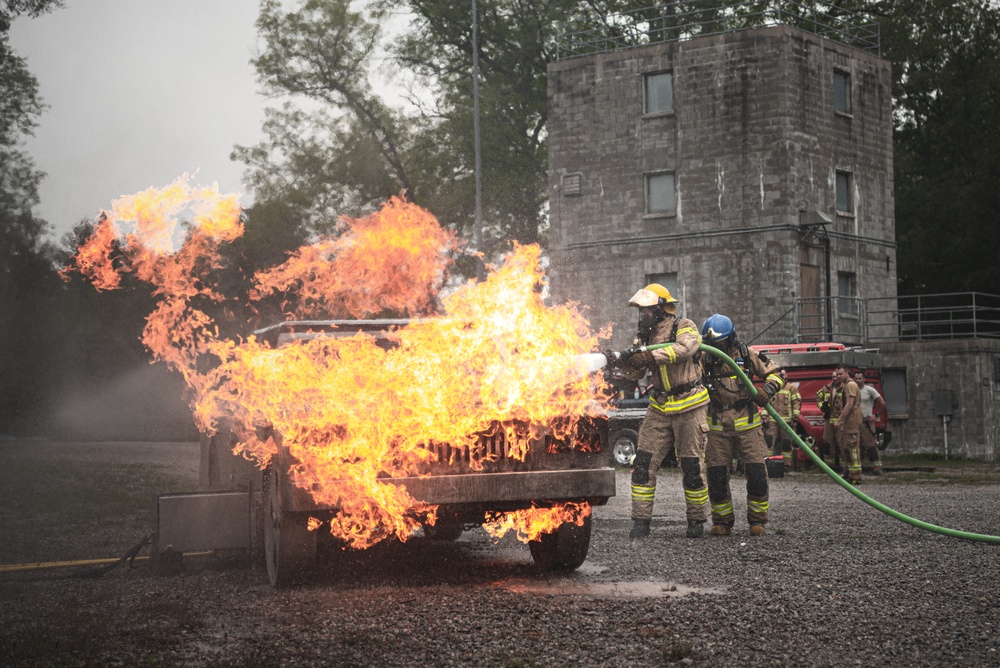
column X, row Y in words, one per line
column 856, row 321
column 952, row 315
column 840, row 319
column 678, row 20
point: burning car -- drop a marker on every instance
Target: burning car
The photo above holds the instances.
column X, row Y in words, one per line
column 545, row 476
column 471, row 409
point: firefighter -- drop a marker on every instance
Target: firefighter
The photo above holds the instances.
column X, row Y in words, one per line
column 734, row 424
column 677, row 403
column 824, row 399
column 847, row 424
column 788, row 404
column 871, row 405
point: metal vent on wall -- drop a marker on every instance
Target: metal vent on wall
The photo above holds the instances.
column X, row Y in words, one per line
column 572, row 184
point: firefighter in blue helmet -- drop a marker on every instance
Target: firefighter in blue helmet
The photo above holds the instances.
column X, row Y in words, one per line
column 734, row 424
column 676, row 414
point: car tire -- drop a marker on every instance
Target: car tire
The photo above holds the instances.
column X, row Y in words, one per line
column 565, row 549
column 624, row 443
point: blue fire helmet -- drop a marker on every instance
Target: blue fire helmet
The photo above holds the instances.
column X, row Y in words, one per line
column 717, row 330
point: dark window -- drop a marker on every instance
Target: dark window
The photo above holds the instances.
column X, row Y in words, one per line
column 661, row 193
column 845, row 196
column 659, row 92
column 894, row 391
column 847, row 292
column 842, row 91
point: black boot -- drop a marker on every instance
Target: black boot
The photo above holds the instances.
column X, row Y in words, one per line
column 696, row 528
column 640, row 529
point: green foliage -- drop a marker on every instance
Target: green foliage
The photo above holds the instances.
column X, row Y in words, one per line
column 27, row 282
column 347, row 152
column 946, row 88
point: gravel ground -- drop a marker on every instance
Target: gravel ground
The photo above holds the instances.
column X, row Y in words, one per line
column 834, row 582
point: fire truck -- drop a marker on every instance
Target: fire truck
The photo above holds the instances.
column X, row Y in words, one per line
column 810, row 366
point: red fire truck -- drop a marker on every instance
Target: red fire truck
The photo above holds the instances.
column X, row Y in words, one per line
column 810, row 366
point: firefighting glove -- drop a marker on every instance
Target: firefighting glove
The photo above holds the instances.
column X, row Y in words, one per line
column 763, row 396
column 640, row 358
column 633, row 357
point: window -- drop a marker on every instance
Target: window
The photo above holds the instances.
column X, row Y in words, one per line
column 847, row 292
column 661, row 193
column 894, row 391
column 659, row 92
column 572, row 184
column 845, row 196
column 841, row 91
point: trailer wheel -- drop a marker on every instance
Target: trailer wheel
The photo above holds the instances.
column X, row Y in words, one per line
column 447, row 528
column 289, row 545
column 623, row 445
column 565, row 549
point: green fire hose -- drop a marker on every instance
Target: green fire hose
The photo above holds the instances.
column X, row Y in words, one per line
column 822, row 465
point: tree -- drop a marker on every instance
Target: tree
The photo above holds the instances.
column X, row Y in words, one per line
column 348, row 152
column 27, row 278
column 354, row 151
column 946, row 89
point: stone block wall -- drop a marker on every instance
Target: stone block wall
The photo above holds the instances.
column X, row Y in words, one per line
column 752, row 141
column 966, row 367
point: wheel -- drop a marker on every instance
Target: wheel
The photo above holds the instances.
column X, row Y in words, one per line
column 565, row 549
column 289, row 546
column 447, row 528
column 623, row 446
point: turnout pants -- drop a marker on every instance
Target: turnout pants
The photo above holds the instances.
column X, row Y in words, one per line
column 658, row 434
column 869, row 443
column 718, row 455
column 848, row 437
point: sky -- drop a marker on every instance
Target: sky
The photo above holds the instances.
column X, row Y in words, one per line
column 139, row 93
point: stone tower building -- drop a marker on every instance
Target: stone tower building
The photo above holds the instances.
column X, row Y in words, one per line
column 750, row 171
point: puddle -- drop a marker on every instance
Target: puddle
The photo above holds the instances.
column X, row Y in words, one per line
column 653, row 589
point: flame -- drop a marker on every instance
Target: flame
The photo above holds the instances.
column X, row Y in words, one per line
column 488, row 358
column 531, row 523
column 391, row 261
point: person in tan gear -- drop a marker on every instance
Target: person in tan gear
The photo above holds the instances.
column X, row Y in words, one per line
column 824, row 399
column 847, row 423
column 734, row 424
column 788, row 404
column 871, row 405
column 677, row 403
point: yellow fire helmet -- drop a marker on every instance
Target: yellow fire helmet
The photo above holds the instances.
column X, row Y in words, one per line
column 651, row 295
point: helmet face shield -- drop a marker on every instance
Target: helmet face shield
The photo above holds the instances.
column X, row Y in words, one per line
column 644, row 298
column 651, row 295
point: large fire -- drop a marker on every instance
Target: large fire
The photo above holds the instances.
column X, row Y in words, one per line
column 488, row 355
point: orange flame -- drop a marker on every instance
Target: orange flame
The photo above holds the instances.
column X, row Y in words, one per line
column 392, row 261
column 350, row 412
column 531, row 523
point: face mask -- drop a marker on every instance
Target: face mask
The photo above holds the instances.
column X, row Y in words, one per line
column 648, row 318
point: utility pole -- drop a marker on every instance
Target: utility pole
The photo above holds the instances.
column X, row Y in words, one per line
column 477, row 233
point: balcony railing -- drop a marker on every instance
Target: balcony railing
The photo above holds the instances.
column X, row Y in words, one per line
column 855, row 321
column 679, row 20
column 954, row 315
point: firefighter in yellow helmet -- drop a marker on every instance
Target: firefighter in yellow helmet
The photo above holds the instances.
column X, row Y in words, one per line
column 788, row 404
column 734, row 424
column 676, row 414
